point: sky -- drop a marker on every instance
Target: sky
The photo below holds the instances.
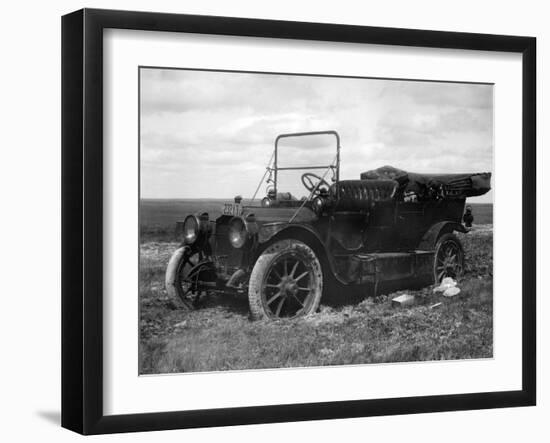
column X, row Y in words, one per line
column 211, row 134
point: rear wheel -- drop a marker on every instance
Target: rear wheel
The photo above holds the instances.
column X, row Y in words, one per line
column 286, row 281
column 448, row 258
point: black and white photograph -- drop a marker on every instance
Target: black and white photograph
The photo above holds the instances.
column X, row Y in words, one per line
column 268, row 222
column 297, row 220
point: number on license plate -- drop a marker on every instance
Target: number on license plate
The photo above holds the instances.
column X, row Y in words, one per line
column 232, row 209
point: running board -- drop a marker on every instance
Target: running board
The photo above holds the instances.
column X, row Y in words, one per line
column 386, row 266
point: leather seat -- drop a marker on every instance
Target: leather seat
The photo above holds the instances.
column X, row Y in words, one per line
column 356, row 195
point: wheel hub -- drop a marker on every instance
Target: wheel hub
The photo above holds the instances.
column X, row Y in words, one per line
column 289, row 286
column 449, row 264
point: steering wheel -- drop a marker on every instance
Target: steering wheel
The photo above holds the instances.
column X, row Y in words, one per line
column 310, row 184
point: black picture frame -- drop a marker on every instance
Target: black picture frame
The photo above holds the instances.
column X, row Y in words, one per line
column 82, row 219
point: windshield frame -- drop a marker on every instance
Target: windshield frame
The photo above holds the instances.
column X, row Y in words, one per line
column 276, row 168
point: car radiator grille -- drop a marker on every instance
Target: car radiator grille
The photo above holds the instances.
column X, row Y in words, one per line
column 227, row 258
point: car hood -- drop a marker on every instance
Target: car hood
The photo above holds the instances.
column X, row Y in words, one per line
column 280, row 215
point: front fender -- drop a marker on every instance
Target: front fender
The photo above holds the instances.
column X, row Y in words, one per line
column 269, row 230
column 429, row 239
column 304, row 233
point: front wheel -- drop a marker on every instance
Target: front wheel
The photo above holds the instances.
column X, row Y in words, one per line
column 448, row 258
column 286, row 281
column 185, row 278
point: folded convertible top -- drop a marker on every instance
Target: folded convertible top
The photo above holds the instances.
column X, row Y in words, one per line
column 434, row 185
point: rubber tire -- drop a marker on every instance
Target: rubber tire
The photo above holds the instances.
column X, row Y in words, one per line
column 440, row 241
column 264, row 262
column 173, row 288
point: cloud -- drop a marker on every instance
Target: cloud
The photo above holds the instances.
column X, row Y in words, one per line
column 437, row 127
column 441, row 94
column 210, row 134
column 176, row 91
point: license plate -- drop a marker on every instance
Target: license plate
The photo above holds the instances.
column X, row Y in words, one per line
column 233, row 209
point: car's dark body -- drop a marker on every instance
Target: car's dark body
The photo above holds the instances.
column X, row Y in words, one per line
column 383, row 226
column 347, row 239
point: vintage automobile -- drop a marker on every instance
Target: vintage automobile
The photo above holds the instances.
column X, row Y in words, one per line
column 386, row 225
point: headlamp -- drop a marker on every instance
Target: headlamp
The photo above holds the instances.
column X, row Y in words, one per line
column 241, row 230
column 196, row 227
column 190, row 229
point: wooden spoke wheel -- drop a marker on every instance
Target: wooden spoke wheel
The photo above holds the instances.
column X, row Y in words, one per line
column 448, row 258
column 184, row 276
column 286, row 281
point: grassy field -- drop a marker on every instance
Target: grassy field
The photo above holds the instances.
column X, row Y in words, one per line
column 358, row 329
column 158, row 217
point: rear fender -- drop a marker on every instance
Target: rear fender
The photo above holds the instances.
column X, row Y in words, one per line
column 431, row 236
